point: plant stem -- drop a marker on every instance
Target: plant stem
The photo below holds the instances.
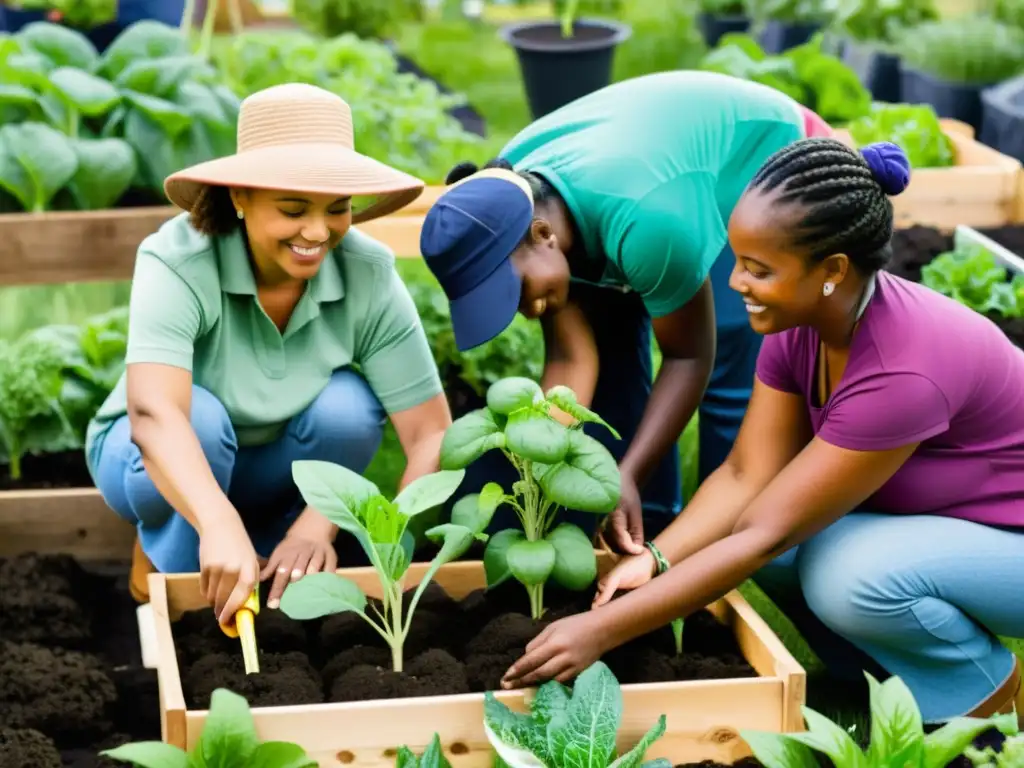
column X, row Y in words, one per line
column 393, row 607
column 15, row 462
column 207, row 35
column 536, row 594
column 186, row 16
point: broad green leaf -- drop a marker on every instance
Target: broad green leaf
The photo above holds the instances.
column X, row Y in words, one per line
column 942, row 746
column 428, row 491
column 551, row 699
column 336, row 492
column 585, row 733
column 537, row 437
column 531, row 562
column 62, row 46
column 778, row 750
column 394, row 559
column 496, row 555
column 432, row 757
column 144, row 39
column 280, row 754
column 456, row 540
column 149, row 754
column 575, row 562
column 519, row 739
column 897, row 731
column 105, row 171
column 475, row 510
column 92, row 96
column 587, row 479
column 469, row 438
column 171, row 118
column 406, row 758
column 635, row 757
column 35, row 162
column 512, row 393
column 321, row 594
column 825, row 736
column 158, row 77
column 565, row 399
column 17, row 95
column 229, row 734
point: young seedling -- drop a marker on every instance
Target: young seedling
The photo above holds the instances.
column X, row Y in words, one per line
column 559, row 467
column 228, row 740
column 568, row 17
column 356, row 506
column 432, row 757
column 566, row 729
column 897, row 736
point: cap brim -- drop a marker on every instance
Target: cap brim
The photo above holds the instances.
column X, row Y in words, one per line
column 488, row 309
column 329, row 169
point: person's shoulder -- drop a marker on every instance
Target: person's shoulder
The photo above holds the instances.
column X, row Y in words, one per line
column 184, row 250
column 359, row 250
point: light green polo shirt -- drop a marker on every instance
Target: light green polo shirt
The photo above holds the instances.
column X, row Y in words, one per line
column 193, row 305
column 651, row 168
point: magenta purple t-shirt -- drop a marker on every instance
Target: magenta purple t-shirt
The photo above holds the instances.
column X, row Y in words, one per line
column 922, row 369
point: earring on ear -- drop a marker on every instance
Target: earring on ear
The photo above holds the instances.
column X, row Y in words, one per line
column 240, row 214
column 828, row 288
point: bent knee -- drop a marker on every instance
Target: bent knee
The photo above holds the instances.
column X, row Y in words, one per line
column 211, row 423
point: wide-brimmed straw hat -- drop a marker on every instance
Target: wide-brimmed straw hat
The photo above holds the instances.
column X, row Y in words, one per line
column 299, row 138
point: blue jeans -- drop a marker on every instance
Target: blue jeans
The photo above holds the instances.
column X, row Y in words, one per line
column 916, row 596
column 343, row 425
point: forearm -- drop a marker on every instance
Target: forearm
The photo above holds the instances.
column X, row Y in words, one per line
column 176, row 464
column 678, row 390
column 423, row 457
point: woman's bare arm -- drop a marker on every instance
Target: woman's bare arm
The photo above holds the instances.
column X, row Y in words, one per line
column 420, row 430
column 570, row 353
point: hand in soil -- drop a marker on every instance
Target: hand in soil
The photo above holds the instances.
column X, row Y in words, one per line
column 630, row 573
column 229, row 568
column 560, row 652
column 626, row 524
column 308, row 548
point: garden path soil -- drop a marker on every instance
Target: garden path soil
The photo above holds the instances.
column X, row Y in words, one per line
column 71, row 675
column 453, row 647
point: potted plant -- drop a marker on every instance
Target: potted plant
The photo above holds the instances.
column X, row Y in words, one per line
column 785, row 24
column 869, row 30
column 720, row 17
column 564, row 60
column 1002, row 121
column 949, row 63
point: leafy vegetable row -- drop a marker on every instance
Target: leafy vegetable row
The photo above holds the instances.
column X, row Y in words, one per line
column 974, row 277
column 78, row 130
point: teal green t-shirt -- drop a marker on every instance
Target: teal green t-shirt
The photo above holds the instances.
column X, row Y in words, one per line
column 651, row 169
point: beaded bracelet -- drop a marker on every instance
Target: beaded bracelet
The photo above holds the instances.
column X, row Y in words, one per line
column 663, row 564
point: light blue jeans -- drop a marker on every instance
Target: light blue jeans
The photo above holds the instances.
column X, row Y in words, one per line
column 917, row 596
column 344, row 425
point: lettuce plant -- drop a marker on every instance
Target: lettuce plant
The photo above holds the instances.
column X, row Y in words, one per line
column 897, row 736
column 914, row 127
column 972, row 276
column 558, row 466
column 228, row 740
column 568, row 728
column 357, row 506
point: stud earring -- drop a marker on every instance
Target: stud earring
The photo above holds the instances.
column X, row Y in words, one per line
column 240, row 214
column 828, row 288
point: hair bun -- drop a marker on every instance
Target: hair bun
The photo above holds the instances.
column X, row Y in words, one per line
column 460, row 171
column 889, row 165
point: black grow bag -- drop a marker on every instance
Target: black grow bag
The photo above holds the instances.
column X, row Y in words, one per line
column 956, row 101
column 780, row 36
column 1002, row 124
column 712, row 26
column 877, row 70
column 557, row 70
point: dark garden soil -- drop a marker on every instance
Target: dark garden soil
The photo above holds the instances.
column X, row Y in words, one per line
column 52, row 470
column 71, row 676
column 453, row 647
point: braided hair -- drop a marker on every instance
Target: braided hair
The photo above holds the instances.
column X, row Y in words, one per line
column 844, row 194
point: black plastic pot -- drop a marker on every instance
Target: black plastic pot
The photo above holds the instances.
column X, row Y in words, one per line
column 780, row 36
column 557, row 70
column 953, row 100
column 1002, row 123
column 877, row 70
column 712, row 27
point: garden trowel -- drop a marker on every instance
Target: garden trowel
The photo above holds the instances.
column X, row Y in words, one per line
column 244, row 628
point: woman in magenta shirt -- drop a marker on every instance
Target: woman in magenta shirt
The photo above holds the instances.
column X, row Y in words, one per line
column 876, row 488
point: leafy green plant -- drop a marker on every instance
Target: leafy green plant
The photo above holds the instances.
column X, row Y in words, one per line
column 970, row 50
column 1011, row 755
column 914, row 127
column 432, row 757
column 30, row 388
column 897, row 736
column 881, row 21
column 357, row 506
column 330, row 18
column 228, row 740
column 817, row 80
column 82, row 14
column 973, row 277
column 792, row 11
column 558, row 467
column 1008, row 11
column 725, row 7
column 567, row 728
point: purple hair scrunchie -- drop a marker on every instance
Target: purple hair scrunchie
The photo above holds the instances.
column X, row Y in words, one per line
column 889, row 165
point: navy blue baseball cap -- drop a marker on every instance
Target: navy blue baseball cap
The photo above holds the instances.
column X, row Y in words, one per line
column 467, row 240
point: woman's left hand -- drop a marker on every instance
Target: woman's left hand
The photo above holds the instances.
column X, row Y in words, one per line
column 308, row 547
column 563, row 650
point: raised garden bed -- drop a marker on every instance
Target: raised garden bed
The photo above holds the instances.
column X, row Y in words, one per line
column 980, row 190
column 327, row 684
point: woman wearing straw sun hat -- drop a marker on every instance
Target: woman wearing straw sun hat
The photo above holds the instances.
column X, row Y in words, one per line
column 249, row 313
column 606, row 219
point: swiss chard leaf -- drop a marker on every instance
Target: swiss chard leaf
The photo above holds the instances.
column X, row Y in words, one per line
column 584, row 733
